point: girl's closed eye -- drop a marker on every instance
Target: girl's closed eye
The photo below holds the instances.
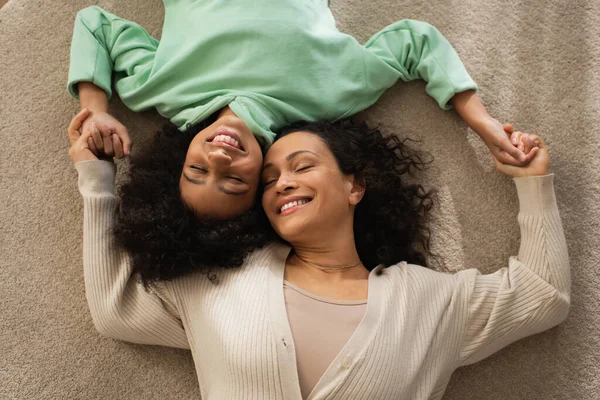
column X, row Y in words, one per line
column 199, row 168
column 235, row 178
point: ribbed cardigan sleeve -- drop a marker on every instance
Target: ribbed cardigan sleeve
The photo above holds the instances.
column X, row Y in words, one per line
column 103, row 43
column 532, row 294
column 410, row 50
column 119, row 305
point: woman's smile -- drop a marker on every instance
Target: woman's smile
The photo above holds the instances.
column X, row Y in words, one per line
column 292, row 204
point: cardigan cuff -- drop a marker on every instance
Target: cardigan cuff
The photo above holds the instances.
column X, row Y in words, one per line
column 96, row 178
column 536, row 193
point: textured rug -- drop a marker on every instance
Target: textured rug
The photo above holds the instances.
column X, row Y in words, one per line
column 536, row 63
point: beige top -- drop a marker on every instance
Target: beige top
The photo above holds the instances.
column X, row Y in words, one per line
column 320, row 329
column 418, row 327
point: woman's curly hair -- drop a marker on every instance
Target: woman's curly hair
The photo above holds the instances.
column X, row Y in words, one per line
column 390, row 222
column 163, row 236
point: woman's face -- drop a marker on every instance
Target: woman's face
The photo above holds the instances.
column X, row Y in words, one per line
column 306, row 195
column 222, row 168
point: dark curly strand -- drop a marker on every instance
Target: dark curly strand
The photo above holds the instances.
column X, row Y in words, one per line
column 163, row 236
column 390, row 220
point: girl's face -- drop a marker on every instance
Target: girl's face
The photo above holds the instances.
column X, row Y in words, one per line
column 222, row 168
column 307, row 198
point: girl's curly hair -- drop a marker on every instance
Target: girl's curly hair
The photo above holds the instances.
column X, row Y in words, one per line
column 390, row 222
column 163, row 236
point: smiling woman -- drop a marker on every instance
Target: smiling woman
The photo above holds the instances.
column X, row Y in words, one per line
column 343, row 299
column 333, row 161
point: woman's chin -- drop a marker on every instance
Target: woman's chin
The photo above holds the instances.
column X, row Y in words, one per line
column 292, row 232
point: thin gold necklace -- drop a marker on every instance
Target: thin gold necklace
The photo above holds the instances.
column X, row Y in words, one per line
column 321, row 266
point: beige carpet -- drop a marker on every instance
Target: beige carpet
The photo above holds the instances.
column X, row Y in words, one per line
column 537, row 63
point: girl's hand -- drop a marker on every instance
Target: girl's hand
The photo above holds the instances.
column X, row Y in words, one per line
column 101, row 127
column 494, row 135
column 537, row 154
column 80, row 142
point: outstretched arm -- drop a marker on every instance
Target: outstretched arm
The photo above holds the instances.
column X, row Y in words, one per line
column 411, row 50
column 104, row 43
column 532, row 294
column 120, row 306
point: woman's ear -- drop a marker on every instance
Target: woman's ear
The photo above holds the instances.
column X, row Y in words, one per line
column 358, row 189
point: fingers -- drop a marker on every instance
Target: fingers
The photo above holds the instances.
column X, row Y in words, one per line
column 111, row 143
column 534, row 140
column 117, row 146
column 102, row 142
column 81, row 143
column 75, row 125
column 97, row 137
column 507, row 153
column 515, row 139
column 125, row 140
column 508, row 128
column 107, row 141
column 92, row 146
column 509, row 158
column 531, row 154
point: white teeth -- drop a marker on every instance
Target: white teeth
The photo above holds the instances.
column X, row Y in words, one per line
column 227, row 139
column 292, row 204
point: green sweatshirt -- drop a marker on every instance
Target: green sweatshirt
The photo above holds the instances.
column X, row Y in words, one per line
column 273, row 63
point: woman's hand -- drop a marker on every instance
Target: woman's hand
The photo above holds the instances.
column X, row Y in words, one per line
column 537, row 154
column 102, row 140
column 80, row 142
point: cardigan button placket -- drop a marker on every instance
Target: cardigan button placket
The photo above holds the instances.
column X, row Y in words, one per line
column 346, row 362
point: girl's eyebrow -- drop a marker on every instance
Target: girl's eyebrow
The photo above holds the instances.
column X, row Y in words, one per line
column 290, row 157
column 221, row 188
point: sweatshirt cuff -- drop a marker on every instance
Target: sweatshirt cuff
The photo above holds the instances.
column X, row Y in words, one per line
column 444, row 95
column 536, row 193
column 96, row 178
column 90, row 60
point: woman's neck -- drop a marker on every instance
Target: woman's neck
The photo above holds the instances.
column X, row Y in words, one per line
column 335, row 260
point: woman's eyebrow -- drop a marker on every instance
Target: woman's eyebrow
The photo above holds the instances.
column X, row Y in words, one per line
column 290, row 157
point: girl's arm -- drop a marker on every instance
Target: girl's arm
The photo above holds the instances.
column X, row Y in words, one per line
column 104, row 44
column 120, row 306
column 532, row 294
column 92, row 97
column 411, row 50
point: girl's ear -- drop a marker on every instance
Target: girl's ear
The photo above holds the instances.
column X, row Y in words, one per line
column 357, row 190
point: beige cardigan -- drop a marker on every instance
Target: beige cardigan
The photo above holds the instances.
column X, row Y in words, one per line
column 419, row 326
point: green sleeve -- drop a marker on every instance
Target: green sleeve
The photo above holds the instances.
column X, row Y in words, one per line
column 103, row 43
column 411, row 50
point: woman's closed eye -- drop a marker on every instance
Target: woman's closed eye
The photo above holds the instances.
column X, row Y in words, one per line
column 304, row 167
column 269, row 180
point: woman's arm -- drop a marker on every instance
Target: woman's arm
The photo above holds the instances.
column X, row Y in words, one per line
column 120, row 306
column 532, row 294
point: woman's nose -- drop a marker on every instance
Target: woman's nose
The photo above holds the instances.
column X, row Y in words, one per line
column 219, row 159
column 285, row 184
